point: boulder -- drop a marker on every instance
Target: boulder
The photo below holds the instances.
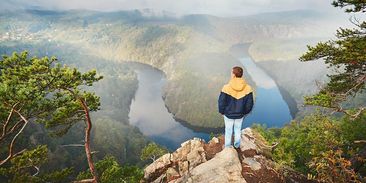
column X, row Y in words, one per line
column 191, row 151
column 196, row 161
column 258, row 169
column 252, row 163
column 157, row 168
column 213, row 147
column 224, row 167
column 247, row 143
column 172, row 174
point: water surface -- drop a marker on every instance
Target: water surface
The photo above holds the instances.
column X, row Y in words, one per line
column 149, row 113
column 269, row 107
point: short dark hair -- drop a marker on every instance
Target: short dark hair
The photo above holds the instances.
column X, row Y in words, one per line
column 238, row 71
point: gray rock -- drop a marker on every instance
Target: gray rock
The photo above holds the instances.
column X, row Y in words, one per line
column 171, row 174
column 183, row 167
column 157, row 167
column 191, row 151
column 224, row 167
column 247, row 145
column 160, row 179
column 253, row 164
column 189, row 163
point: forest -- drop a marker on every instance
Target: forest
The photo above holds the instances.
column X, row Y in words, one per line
column 60, row 104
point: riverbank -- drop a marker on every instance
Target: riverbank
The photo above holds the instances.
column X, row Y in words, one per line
column 286, row 95
column 149, row 112
column 242, row 50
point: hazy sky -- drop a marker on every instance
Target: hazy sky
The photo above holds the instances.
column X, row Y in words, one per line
column 179, row 7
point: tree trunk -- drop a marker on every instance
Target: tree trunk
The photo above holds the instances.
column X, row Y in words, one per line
column 87, row 141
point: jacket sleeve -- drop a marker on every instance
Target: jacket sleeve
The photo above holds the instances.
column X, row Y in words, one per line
column 222, row 102
column 248, row 106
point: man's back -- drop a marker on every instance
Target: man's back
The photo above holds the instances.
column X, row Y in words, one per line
column 236, row 99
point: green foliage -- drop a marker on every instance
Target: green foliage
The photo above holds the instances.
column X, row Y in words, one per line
column 110, row 171
column 299, row 142
column 27, row 167
column 61, row 96
column 21, row 166
column 331, row 166
column 116, row 91
column 153, row 33
column 45, row 91
column 152, row 151
column 270, row 134
column 320, row 146
column 356, row 5
column 124, row 141
column 212, row 135
column 58, row 176
column 347, row 57
column 41, row 90
column 330, row 151
column 117, row 37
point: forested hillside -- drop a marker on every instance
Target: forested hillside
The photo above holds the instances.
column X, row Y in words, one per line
column 181, row 47
column 66, row 118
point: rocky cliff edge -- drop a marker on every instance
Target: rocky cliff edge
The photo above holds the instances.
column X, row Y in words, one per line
column 196, row 161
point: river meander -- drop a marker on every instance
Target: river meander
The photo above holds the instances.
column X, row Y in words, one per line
column 149, row 113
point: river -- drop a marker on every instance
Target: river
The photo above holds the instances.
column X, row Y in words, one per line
column 149, row 114
column 269, row 107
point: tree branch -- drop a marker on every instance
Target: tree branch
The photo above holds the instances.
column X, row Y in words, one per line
column 352, row 116
column 11, row 145
column 5, row 125
column 15, row 127
column 3, row 135
column 73, row 145
column 84, row 181
column 7, row 122
column 35, row 167
column 361, row 80
column 360, row 141
column 153, row 158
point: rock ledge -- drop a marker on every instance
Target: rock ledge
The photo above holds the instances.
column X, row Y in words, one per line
column 196, row 161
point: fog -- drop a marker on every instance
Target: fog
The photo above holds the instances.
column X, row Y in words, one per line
column 213, row 7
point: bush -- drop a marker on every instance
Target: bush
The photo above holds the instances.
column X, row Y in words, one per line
column 321, row 147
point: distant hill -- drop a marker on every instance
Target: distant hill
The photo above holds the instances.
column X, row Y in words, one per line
column 181, row 47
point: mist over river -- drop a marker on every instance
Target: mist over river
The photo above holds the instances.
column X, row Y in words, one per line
column 149, row 113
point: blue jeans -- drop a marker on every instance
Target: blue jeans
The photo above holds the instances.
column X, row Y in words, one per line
column 229, row 124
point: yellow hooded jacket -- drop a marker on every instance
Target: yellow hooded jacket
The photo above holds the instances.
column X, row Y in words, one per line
column 236, row 99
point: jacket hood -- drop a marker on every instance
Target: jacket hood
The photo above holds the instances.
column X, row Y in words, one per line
column 237, row 88
column 237, row 84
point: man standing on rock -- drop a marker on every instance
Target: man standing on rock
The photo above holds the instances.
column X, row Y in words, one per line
column 235, row 101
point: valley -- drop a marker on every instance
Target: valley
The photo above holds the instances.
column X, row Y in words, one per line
column 128, row 91
column 194, row 52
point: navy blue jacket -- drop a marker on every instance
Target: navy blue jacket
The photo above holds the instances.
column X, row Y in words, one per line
column 236, row 99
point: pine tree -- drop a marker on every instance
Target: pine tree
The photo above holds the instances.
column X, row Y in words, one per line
column 41, row 90
column 347, row 57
